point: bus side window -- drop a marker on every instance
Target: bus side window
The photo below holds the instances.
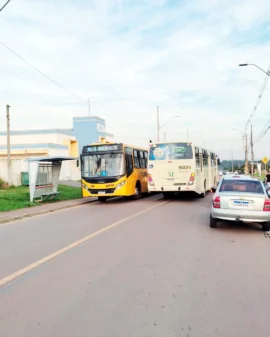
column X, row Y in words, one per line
column 129, row 161
column 142, row 160
column 205, row 159
column 197, row 156
column 213, row 160
column 145, row 157
column 136, row 159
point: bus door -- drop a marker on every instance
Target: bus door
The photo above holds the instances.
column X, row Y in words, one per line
column 198, row 159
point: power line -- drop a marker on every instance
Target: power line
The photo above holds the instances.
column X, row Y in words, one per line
column 263, row 133
column 4, row 5
column 258, row 100
column 263, row 129
column 41, row 73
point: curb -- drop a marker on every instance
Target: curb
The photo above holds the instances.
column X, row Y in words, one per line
column 30, row 215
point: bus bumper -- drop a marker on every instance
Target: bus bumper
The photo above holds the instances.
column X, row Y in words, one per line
column 104, row 192
column 182, row 188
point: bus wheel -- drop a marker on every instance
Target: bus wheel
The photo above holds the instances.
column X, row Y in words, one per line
column 202, row 195
column 138, row 193
column 102, row 199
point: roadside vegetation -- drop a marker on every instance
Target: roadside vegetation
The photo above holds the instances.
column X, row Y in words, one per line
column 12, row 198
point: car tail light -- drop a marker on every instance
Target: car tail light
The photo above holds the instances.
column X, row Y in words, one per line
column 266, row 206
column 191, row 179
column 216, row 202
column 150, row 180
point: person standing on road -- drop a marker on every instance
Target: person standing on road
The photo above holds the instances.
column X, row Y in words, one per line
column 267, row 179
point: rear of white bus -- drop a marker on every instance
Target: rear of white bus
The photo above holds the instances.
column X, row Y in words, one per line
column 171, row 167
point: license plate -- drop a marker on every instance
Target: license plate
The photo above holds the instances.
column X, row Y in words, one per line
column 240, row 203
column 101, row 192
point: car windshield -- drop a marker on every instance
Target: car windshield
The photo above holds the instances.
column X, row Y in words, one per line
column 170, row 151
column 103, row 165
column 241, row 186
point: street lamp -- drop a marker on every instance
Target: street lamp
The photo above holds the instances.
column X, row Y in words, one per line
column 199, row 138
column 252, row 64
column 160, row 127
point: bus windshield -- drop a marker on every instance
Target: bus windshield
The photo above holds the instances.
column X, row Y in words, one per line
column 103, row 165
column 171, row 151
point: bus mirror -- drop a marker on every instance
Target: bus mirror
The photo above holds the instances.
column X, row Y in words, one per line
column 218, row 161
column 77, row 162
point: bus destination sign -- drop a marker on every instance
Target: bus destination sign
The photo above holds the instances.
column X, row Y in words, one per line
column 102, row 148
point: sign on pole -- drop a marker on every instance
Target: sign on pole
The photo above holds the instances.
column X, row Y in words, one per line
column 265, row 160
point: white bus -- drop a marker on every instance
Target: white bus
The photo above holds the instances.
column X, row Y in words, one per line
column 181, row 167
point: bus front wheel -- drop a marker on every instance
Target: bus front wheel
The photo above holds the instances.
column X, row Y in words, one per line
column 138, row 192
column 102, row 199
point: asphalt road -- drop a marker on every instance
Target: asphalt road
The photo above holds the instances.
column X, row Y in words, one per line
column 133, row 269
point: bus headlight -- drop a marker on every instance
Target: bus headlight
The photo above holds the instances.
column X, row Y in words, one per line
column 85, row 187
column 120, row 185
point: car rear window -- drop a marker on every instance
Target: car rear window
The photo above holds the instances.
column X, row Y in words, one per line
column 243, row 186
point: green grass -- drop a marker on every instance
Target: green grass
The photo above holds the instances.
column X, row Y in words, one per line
column 18, row 197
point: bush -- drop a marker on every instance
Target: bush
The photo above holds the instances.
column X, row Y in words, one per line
column 3, row 184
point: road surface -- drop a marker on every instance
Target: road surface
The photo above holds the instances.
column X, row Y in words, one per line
column 133, row 269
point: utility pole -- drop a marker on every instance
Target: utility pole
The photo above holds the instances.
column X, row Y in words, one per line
column 164, row 135
column 89, row 105
column 158, row 124
column 8, row 146
column 252, row 151
column 246, row 156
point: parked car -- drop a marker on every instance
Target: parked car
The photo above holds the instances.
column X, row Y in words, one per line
column 241, row 198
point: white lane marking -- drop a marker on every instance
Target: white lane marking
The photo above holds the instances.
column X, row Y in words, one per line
column 61, row 251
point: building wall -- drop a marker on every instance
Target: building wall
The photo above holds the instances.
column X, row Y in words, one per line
column 36, row 138
column 17, row 166
column 88, row 130
column 21, row 152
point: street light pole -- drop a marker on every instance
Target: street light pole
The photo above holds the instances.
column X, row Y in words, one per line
column 252, row 152
column 8, row 146
column 246, row 156
column 244, row 136
column 232, row 162
column 158, row 128
column 255, row 65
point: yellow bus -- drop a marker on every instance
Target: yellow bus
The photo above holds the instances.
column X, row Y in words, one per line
column 113, row 170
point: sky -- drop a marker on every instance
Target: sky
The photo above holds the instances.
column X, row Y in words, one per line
column 128, row 57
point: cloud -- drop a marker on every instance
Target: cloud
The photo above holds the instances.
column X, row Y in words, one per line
column 129, row 57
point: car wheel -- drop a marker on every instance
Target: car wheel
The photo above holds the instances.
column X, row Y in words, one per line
column 266, row 226
column 213, row 222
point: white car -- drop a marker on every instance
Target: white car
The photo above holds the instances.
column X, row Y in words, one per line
column 242, row 199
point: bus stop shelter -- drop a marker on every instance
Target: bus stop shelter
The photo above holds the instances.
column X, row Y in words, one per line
column 44, row 173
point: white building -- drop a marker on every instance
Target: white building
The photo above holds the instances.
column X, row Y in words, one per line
column 50, row 142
